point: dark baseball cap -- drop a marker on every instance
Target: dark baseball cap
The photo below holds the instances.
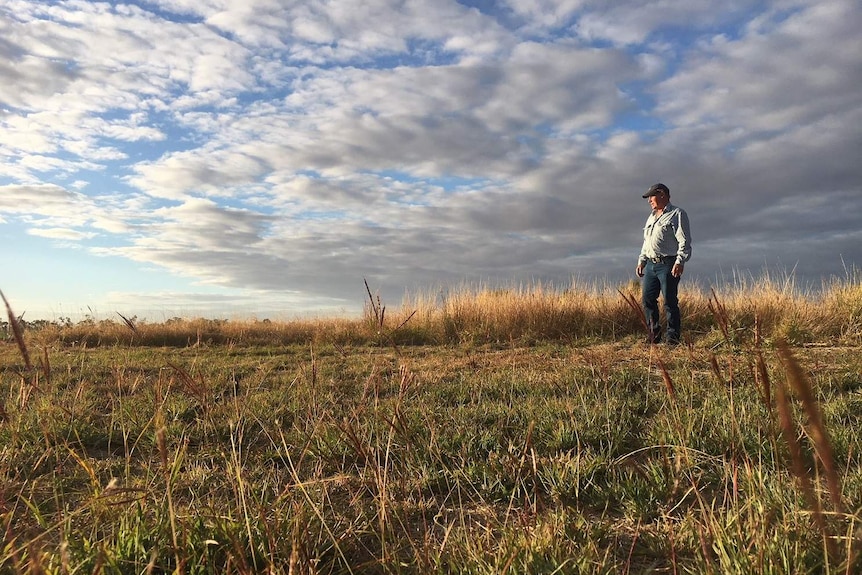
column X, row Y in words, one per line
column 657, row 189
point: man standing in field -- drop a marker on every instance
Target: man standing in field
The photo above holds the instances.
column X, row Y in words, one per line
column 666, row 248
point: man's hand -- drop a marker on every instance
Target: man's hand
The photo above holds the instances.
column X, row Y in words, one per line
column 640, row 270
column 677, row 270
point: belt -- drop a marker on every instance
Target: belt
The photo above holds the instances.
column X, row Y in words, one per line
column 661, row 259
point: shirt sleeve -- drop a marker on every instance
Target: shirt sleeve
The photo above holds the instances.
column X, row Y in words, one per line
column 683, row 238
column 642, row 258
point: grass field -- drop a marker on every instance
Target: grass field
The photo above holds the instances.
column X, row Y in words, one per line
column 511, row 431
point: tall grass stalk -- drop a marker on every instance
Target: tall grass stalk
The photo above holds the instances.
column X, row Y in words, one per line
column 167, row 471
column 17, row 332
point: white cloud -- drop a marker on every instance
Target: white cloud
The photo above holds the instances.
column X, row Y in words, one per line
column 183, row 174
column 463, row 119
column 84, row 76
column 61, row 233
column 804, row 67
column 42, row 199
column 636, row 21
column 225, row 304
column 546, row 13
column 49, row 210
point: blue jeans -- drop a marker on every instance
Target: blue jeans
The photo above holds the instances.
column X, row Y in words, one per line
column 658, row 279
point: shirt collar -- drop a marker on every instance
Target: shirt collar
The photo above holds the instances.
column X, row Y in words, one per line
column 667, row 209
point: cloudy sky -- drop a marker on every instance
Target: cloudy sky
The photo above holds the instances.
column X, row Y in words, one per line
column 262, row 157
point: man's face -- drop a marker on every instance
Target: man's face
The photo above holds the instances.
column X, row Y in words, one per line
column 658, row 201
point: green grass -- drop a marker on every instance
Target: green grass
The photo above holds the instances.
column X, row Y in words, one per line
column 369, row 446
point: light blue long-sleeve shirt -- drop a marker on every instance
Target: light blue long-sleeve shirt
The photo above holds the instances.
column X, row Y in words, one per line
column 667, row 234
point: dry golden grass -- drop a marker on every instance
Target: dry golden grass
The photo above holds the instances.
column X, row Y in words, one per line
column 331, row 446
column 748, row 310
column 772, row 308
